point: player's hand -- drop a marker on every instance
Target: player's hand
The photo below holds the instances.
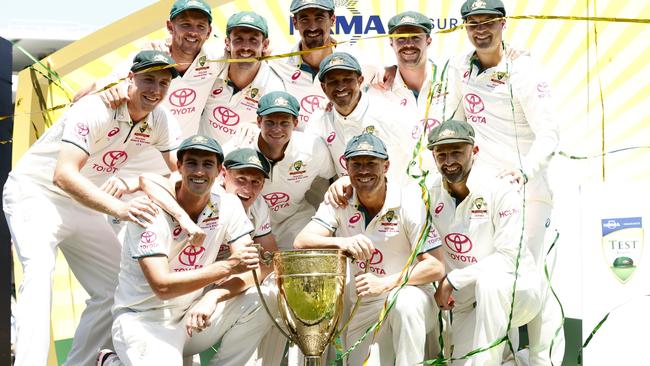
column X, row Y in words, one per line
column 198, row 317
column 196, row 235
column 389, row 78
column 370, row 285
column 115, row 96
column 339, row 192
column 443, row 295
column 244, row 259
column 115, row 186
column 514, row 53
column 514, row 176
column 358, row 246
column 140, row 210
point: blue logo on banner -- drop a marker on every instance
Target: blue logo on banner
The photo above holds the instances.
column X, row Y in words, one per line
column 611, row 225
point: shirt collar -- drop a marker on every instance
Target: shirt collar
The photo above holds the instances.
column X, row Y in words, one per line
column 392, row 201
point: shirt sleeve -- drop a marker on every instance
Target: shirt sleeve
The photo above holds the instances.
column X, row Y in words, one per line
column 533, row 92
column 452, row 107
column 86, row 122
column 167, row 129
column 508, row 235
column 261, row 219
column 415, row 219
column 238, row 223
column 326, row 217
column 153, row 240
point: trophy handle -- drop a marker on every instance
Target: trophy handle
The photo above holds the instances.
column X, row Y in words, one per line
column 354, row 308
column 266, row 307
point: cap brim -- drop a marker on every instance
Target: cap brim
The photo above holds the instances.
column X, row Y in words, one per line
column 172, row 16
column 366, row 153
column 425, row 29
column 249, row 26
column 483, row 11
column 171, row 69
column 248, row 165
column 321, row 74
column 449, row 141
column 309, row 6
column 276, row 109
column 203, row 148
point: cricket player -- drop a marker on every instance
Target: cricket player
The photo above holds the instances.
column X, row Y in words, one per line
column 354, row 112
column 479, row 217
column 161, row 275
column 189, row 26
column 297, row 159
column 509, row 104
column 383, row 225
column 416, row 89
column 58, row 193
column 234, row 97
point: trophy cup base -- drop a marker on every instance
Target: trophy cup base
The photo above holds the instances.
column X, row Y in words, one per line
column 312, row 361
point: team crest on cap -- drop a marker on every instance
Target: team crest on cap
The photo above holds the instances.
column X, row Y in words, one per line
column 478, row 4
column 199, row 140
column 254, row 160
column 370, row 129
column 407, row 19
column 160, row 58
column 446, row 133
column 247, row 18
column 281, row 101
column 194, row 3
column 336, row 61
column 366, row 146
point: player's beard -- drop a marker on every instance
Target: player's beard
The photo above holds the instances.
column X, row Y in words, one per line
column 313, row 42
column 457, row 176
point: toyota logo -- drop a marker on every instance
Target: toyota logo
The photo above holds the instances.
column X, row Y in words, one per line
column 148, row 237
column 343, row 162
column 225, row 116
column 331, row 137
column 439, row 208
column 190, row 255
column 377, row 257
column 182, row 97
column 311, row 103
column 114, row 158
column 276, row 198
column 458, row 243
column 355, row 218
column 474, row 103
column 82, row 129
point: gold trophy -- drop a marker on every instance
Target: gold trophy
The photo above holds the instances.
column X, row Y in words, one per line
column 310, row 297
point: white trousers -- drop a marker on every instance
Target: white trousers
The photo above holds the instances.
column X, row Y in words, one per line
column 39, row 224
column 143, row 339
column 477, row 326
column 542, row 328
column 401, row 339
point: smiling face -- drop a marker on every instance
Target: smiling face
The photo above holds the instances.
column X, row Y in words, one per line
column 147, row 90
column 367, row 173
column 454, row 161
column 243, row 42
column 198, row 169
column 343, row 88
column 485, row 31
column 410, row 51
column 246, row 183
column 314, row 26
column 276, row 128
column 189, row 30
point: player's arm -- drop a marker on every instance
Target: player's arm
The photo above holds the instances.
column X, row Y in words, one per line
column 316, row 236
column 68, row 177
column 167, row 284
column 267, row 244
column 161, row 191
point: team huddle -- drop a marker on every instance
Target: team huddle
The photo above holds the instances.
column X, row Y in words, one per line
column 164, row 190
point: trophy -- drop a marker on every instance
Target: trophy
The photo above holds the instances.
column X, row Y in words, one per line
column 310, row 297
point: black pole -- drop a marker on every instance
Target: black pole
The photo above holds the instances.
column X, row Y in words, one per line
column 6, row 134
